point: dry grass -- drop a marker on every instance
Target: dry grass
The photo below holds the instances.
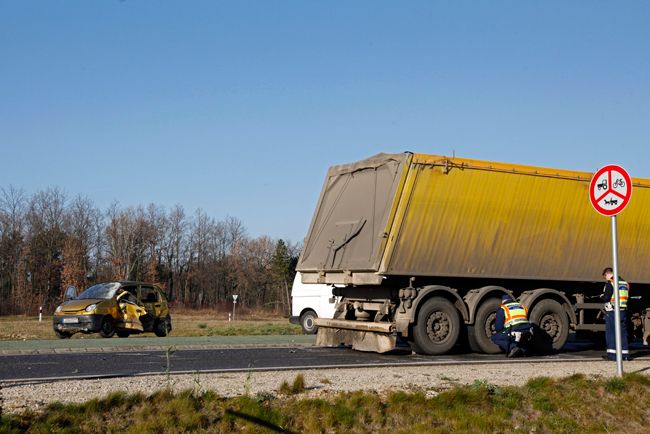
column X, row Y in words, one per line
column 572, row 404
column 25, row 327
column 185, row 323
column 297, row 387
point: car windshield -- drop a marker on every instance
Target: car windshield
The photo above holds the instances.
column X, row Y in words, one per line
column 101, row 290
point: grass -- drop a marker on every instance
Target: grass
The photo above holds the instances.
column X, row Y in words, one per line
column 185, row 323
column 572, row 404
column 297, row 387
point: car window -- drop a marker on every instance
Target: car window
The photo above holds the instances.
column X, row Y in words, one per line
column 148, row 294
column 132, row 290
column 102, row 290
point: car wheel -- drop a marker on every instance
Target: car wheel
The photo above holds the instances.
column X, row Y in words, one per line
column 307, row 322
column 122, row 334
column 62, row 335
column 160, row 328
column 107, row 329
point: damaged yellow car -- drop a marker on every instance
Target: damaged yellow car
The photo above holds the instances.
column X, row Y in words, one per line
column 111, row 308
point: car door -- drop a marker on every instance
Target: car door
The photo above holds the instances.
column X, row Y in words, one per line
column 151, row 300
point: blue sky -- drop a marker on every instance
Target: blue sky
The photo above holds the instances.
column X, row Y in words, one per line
column 239, row 107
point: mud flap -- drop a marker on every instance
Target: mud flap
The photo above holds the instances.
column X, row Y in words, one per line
column 361, row 336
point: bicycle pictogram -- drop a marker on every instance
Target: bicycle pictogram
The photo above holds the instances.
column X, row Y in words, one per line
column 610, row 190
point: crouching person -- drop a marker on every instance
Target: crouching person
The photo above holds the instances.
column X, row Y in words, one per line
column 513, row 330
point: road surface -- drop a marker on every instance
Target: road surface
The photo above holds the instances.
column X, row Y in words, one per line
column 42, row 367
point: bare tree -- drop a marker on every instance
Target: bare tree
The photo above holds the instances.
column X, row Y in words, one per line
column 12, row 220
column 45, row 238
column 174, row 249
column 47, row 244
column 82, row 236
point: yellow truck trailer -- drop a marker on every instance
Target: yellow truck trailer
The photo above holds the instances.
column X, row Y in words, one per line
column 426, row 245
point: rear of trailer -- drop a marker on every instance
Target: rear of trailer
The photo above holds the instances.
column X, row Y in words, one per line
column 437, row 240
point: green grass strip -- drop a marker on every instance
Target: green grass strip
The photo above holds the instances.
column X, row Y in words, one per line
column 571, row 404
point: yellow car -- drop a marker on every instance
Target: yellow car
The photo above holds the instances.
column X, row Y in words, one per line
column 121, row 308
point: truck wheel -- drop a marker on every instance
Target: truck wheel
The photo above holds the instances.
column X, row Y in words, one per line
column 552, row 329
column 307, row 322
column 107, row 329
column 478, row 335
column 437, row 328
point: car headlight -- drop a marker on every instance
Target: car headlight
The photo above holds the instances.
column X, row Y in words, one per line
column 91, row 308
column 58, row 309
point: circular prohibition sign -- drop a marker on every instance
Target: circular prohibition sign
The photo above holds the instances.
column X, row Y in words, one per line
column 610, row 190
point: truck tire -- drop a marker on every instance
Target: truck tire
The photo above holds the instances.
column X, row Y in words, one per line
column 478, row 335
column 307, row 322
column 552, row 325
column 437, row 328
column 107, row 328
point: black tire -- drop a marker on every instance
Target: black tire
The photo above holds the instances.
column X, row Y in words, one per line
column 307, row 322
column 161, row 328
column 478, row 335
column 437, row 328
column 122, row 333
column 107, row 329
column 62, row 335
column 551, row 325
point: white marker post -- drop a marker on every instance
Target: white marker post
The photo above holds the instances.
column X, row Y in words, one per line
column 234, row 303
column 610, row 191
column 40, row 314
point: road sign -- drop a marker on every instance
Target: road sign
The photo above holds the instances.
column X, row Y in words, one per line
column 610, row 190
column 234, row 298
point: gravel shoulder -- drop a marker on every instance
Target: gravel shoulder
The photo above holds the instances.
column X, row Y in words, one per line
column 319, row 382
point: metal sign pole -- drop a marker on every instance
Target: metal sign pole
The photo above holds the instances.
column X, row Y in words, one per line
column 610, row 190
column 617, row 302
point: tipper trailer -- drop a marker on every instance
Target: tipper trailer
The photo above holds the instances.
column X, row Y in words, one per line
column 426, row 245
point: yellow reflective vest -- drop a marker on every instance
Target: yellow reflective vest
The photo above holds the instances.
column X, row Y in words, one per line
column 516, row 313
column 623, row 294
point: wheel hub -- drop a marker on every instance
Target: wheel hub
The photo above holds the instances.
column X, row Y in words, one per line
column 550, row 325
column 489, row 324
column 438, row 327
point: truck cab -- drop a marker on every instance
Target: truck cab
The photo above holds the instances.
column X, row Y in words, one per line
column 310, row 301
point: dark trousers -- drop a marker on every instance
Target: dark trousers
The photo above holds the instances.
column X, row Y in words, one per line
column 610, row 334
column 506, row 341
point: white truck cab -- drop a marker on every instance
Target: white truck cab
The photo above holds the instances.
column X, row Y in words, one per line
column 310, row 301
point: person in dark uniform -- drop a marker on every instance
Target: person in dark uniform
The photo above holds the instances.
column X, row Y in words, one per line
column 513, row 330
column 610, row 318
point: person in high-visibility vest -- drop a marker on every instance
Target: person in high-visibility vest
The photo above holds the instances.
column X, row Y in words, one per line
column 610, row 319
column 513, row 330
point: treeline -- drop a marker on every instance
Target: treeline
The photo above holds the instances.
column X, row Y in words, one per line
column 49, row 242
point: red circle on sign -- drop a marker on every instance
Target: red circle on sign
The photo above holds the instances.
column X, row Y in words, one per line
column 610, row 190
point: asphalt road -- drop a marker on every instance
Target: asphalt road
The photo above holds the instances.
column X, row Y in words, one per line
column 36, row 367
